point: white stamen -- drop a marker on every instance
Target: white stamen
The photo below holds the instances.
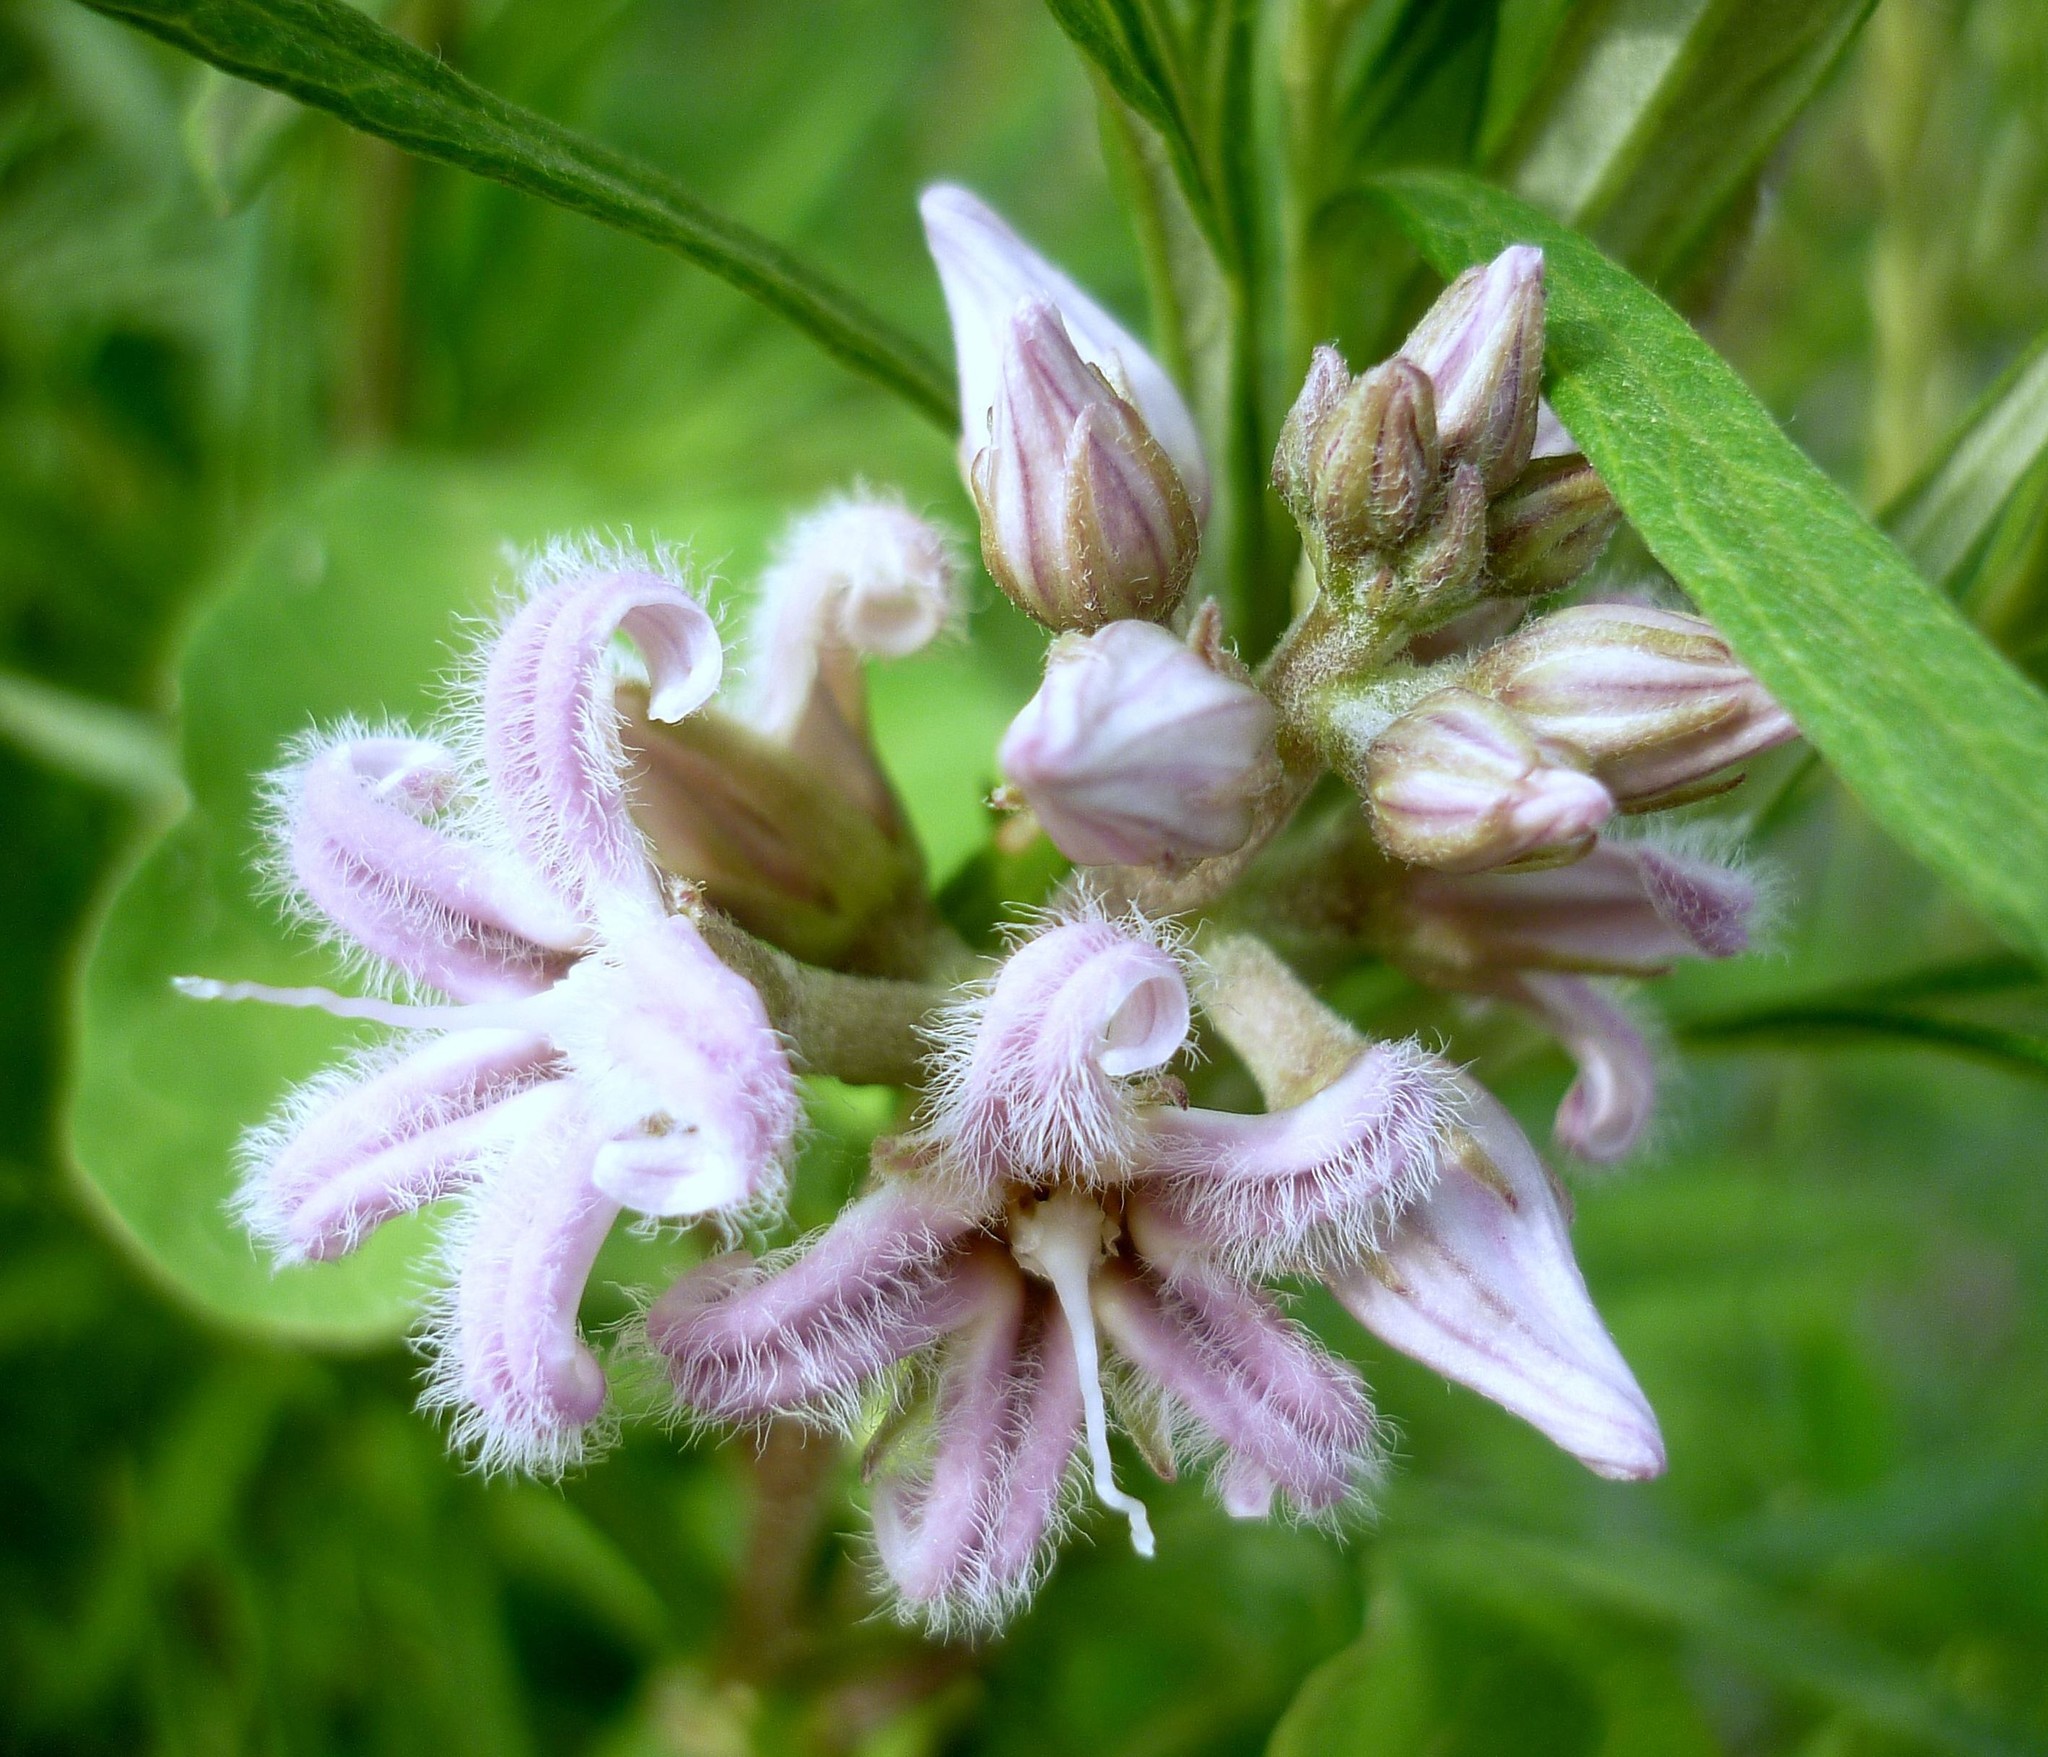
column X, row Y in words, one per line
column 1061, row 1240
column 519, row 1015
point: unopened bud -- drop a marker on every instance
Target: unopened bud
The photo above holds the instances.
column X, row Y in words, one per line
column 1459, row 784
column 1084, row 519
column 1294, row 456
column 1375, row 459
column 1443, row 565
column 1136, row 752
column 1549, row 527
column 1655, row 699
column 1482, row 346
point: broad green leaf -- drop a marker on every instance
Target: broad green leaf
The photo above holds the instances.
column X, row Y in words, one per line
column 1945, row 744
column 1656, row 113
column 1942, row 518
column 346, row 608
column 329, row 55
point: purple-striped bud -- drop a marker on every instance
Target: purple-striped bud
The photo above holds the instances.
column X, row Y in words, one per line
column 987, row 272
column 1548, row 527
column 1479, row 1282
column 1358, row 457
column 1294, row 456
column 1136, row 751
column 1482, row 345
column 1460, row 784
column 1084, row 519
column 1656, row 700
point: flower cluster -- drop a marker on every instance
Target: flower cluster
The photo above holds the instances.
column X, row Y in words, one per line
column 623, row 918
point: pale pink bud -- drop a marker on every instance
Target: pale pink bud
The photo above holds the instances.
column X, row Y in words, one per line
column 1482, row 346
column 1032, row 1081
column 1627, row 909
column 509, row 1361
column 1135, row 751
column 1460, row 784
column 551, row 730
column 1294, row 456
column 987, row 271
column 1084, row 519
column 1656, row 699
column 1479, row 1282
column 862, row 576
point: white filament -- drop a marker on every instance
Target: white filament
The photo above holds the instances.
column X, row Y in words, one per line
column 469, row 1015
column 1061, row 1239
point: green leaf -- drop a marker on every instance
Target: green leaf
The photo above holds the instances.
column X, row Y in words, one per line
column 328, row 55
column 1945, row 744
column 1377, row 1698
column 1807, row 1025
column 1656, row 113
column 1941, row 519
column 1668, row 1588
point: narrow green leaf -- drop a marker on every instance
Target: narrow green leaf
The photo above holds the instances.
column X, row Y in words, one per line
column 1656, row 114
column 1941, row 518
column 88, row 740
column 1816, row 1022
column 1944, row 742
column 330, row 56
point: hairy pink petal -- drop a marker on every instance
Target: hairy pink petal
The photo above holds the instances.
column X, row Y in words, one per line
column 353, row 1148
column 1030, row 1082
column 1479, row 1282
column 551, row 731
column 470, row 923
column 680, row 1070
column 1612, row 1100
column 965, row 1538
column 746, row 1340
column 1309, row 1185
column 510, row 1363
column 1627, row 909
column 1259, row 1386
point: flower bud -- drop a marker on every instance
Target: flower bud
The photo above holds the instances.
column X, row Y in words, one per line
column 1444, row 564
column 1549, row 527
column 987, row 271
column 1458, row 783
column 1655, row 699
column 1084, row 519
column 1374, row 459
column 1482, row 346
column 1136, row 752
column 1293, row 457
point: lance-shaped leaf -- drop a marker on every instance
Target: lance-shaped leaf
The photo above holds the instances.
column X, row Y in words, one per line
column 1941, row 518
column 329, row 55
column 1653, row 116
column 1944, row 743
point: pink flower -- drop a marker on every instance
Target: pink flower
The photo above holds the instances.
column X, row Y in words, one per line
column 1482, row 345
column 593, row 1055
column 1136, row 751
column 1019, row 1248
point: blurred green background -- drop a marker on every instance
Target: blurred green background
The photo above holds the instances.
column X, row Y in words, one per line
column 257, row 373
